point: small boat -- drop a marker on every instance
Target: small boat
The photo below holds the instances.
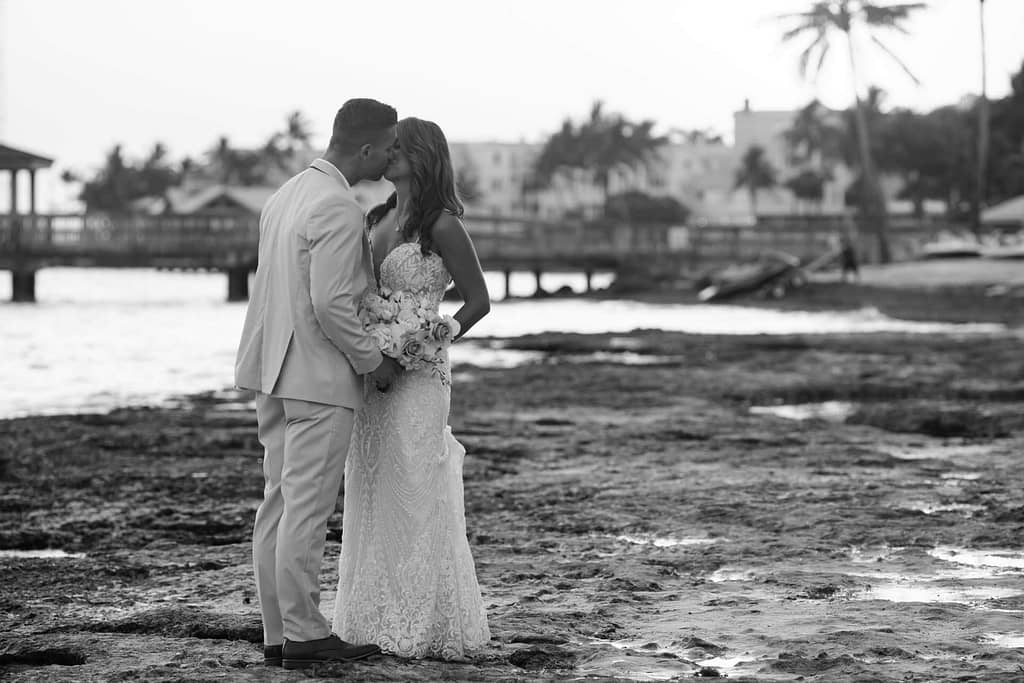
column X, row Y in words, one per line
column 951, row 247
column 774, row 269
column 1004, row 249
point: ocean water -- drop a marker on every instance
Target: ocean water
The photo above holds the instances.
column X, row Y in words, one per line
column 102, row 338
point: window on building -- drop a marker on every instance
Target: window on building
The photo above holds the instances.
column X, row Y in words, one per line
column 496, row 184
column 496, row 157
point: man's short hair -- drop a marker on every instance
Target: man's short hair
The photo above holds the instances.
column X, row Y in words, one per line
column 359, row 120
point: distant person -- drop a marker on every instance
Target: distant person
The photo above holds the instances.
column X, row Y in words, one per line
column 407, row 581
column 304, row 351
column 848, row 265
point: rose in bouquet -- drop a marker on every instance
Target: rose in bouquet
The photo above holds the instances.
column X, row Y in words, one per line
column 406, row 328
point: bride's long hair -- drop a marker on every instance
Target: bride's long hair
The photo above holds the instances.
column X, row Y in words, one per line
column 431, row 183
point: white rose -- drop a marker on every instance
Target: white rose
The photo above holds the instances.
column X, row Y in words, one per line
column 409, row 319
column 381, row 338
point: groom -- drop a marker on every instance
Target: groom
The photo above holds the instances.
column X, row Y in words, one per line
column 303, row 350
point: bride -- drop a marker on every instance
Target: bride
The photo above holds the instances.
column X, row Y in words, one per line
column 406, row 577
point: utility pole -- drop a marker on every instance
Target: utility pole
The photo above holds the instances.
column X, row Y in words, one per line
column 983, row 132
column 3, row 72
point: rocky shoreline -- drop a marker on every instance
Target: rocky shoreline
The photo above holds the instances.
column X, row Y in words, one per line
column 638, row 505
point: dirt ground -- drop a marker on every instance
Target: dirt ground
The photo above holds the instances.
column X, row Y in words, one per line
column 640, row 507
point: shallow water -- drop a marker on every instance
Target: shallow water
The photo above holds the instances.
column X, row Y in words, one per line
column 923, row 589
column 102, row 338
column 1003, row 559
column 929, row 451
column 48, row 554
column 662, row 542
column 1011, row 640
column 831, row 411
column 939, row 575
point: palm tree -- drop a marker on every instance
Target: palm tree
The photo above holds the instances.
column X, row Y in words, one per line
column 755, row 173
column 223, row 160
column 815, row 140
column 287, row 150
column 561, row 151
column 467, row 182
column 297, row 131
column 821, row 21
column 602, row 144
column 227, row 165
column 983, row 131
column 806, row 134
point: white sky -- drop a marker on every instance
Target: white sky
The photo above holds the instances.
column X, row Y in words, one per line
column 82, row 75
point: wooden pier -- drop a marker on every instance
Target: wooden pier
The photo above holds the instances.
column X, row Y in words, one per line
column 228, row 243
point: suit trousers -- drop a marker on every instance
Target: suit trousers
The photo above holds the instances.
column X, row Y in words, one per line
column 305, row 445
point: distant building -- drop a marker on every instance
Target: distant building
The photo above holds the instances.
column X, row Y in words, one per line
column 497, row 172
column 495, row 178
column 767, row 129
column 696, row 171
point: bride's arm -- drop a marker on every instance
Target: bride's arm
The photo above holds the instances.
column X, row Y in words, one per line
column 452, row 242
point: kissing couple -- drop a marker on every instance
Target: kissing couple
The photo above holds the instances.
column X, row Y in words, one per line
column 333, row 402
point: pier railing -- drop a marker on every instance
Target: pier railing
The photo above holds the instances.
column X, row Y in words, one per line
column 200, row 241
column 228, row 242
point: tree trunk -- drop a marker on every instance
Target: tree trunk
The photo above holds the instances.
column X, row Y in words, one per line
column 873, row 204
column 983, row 134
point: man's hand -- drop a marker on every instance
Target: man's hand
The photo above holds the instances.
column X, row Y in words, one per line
column 385, row 373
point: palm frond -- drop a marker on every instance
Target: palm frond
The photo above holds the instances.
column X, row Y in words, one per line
column 821, row 58
column 889, row 15
column 799, row 30
column 896, row 58
column 820, row 42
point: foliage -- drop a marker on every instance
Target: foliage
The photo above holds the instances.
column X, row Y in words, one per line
column 817, row 136
column 643, row 208
column 600, row 145
column 808, row 185
column 119, row 182
column 822, row 21
column 1006, row 156
column 932, row 153
column 755, row 173
column 828, row 16
column 467, row 183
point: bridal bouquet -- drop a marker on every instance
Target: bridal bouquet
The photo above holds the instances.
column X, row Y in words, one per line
column 406, row 328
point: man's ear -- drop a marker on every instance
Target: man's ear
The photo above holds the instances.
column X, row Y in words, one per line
column 365, row 151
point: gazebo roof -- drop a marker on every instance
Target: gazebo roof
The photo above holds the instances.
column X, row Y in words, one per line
column 12, row 159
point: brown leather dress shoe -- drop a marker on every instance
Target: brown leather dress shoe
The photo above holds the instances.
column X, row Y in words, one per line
column 304, row 654
column 271, row 655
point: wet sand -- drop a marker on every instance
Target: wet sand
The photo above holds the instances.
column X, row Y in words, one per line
column 640, row 507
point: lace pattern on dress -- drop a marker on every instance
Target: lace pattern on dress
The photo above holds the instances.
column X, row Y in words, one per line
column 407, row 581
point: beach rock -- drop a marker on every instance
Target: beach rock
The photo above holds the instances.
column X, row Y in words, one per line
column 185, row 622
column 14, row 653
column 543, row 657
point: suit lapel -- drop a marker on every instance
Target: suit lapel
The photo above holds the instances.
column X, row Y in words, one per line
column 330, row 169
column 368, row 260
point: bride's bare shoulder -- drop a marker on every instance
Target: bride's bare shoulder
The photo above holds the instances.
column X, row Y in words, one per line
column 448, row 225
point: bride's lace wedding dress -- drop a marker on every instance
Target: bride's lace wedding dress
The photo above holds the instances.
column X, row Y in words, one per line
column 406, row 575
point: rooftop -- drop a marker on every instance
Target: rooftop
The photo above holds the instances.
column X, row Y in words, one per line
column 13, row 159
